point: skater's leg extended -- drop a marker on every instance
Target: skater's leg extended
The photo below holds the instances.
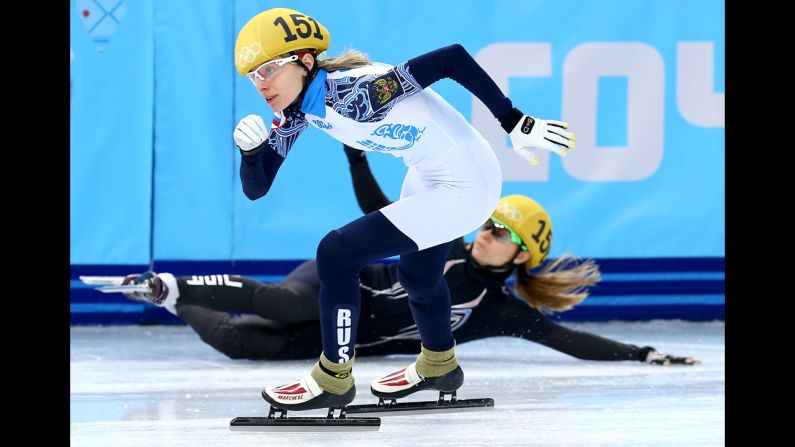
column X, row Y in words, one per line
column 225, row 293
column 439, row 206
column 436, row 367
column 287, row 302
column 292, row 301
column 422, row 275
column 341, row 254
column 239, row 337
column 340, row 257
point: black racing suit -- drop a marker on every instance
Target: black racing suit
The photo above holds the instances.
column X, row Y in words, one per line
column 280, row 320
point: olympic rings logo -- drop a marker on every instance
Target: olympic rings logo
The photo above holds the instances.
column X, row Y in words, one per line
column 248, row 54
column 510, row 211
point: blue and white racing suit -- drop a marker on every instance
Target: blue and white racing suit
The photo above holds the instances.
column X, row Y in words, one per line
column 451, row 188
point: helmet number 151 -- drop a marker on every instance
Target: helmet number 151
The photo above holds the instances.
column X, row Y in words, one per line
column 299, row 22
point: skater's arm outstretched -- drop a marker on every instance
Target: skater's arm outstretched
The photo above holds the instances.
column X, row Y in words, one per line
column 455, row 62
column 518, row 319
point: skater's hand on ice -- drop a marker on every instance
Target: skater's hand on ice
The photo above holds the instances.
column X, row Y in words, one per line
column 534, row 133
column 655, row 358
column 250, row 133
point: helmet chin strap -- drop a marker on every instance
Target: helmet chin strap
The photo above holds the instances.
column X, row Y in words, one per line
column 310, row 74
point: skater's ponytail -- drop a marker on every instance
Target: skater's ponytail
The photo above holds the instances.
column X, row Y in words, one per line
column 348, row 59
column 559, row 285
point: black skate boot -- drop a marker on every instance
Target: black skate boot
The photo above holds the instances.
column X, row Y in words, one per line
column 156, row 291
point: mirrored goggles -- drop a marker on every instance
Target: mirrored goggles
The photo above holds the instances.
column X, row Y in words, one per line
column 503, row 232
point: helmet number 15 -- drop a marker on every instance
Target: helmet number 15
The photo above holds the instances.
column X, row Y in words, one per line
column 543, row 245
column 298, row 22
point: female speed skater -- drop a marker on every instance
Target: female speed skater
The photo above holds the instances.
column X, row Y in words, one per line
column 452, row 186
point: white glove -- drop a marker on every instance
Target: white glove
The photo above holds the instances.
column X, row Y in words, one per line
column 655, row 358
column 250, row 133
column 533, row 133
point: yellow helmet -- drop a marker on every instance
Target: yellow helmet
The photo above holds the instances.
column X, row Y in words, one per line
column 274, row 32
column 530, row 221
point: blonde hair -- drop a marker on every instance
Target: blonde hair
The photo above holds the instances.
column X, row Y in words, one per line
column 348, row 59
column 560, row 285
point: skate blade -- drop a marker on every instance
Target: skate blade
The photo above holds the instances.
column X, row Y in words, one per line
column 426, row 407
column 127, row 288
column 303, row 424
column 102, row 280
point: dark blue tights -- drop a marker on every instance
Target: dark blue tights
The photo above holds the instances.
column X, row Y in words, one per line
column 343, row 252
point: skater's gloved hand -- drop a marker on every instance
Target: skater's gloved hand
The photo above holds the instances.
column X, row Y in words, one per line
column 533, row 134
column 354, row 155
column 655, row 358
column 250, row 133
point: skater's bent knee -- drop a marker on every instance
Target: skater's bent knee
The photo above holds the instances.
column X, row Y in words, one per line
column 330, row 247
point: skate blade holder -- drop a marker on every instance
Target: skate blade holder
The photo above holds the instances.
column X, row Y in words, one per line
column 390, row 407
column 111, row 284
column 277, row 421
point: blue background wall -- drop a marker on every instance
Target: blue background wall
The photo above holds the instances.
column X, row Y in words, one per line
column 155, row 98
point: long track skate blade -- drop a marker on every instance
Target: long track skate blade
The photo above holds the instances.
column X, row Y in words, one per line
column 304, row 424
column 127, row 288
column 102, row 280
column 426, row 407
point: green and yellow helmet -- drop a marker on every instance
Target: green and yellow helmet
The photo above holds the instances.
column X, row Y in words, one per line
column 274, row 32
column 530, row 221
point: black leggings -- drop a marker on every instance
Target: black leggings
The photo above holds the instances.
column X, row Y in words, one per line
column 281, row 321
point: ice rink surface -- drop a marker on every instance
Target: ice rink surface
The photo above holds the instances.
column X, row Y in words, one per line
column 162, row 386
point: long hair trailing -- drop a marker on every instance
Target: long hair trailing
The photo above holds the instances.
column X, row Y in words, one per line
column 559, row 285
column 350, row 58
